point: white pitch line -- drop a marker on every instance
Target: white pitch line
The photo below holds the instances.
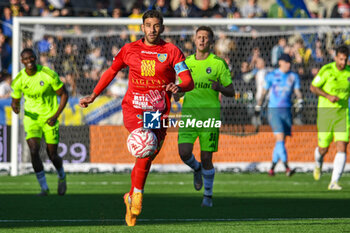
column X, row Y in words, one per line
column 167, row 220
column 253, row 183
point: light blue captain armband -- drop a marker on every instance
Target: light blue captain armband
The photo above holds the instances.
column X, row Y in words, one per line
column 179, row 67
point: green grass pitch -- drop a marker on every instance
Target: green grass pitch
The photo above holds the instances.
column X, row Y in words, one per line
column 242, row 203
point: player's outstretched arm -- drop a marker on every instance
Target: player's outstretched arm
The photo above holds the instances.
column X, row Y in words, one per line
column 318, row 91
column 85, row 101
column 105, row 79
column 16, row 105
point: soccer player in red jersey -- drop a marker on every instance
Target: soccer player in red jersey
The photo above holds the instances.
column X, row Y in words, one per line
column 153, row 66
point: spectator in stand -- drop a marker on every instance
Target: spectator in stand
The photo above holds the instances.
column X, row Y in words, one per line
column 136, row 14
column 39, row 6
column 317, row 9
column 261, row 72
column 54, row 7
column 341, row 9
column 224, row 45
column 162, row 6
column 117, row 13
column 69, row 79
column 187, row 9
column 45, row 61
column 5, row 53
column 95, row 62
column 101, row 9
column 25, row 8
column 47, row 13
column 119, row 85
column 318, row 53
column 206, row 10
column 253, row 58
column 68, row 61
column 245, row 72
column 43, row 45
column 225, row 9
column 5, row 86
column 56, row 4
column 67, row 9
column 110, row 56
column 7, row 22
column 301, row 54
column 276, row 11
column 252, row 10
column 277, row 50
column 19, row 8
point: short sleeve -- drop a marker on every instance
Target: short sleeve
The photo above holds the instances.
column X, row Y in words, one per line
column 56, row 82
column 320, row 78
column 225, row 75
column 16, row 88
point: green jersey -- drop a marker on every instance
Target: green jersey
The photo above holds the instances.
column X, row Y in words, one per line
column 334, row 82
column 39, row 92
column 203, row 96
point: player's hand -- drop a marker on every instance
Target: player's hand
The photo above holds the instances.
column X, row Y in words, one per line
column 215, row 85
column 16, row 107
column 157, row 99
column 51, row 121
column 172, row 87
column 178, row 95
column 333, row 98
column 85, row 101
column 299, row 105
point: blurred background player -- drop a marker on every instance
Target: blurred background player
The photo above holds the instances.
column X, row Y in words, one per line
column 211, row 76
column 281, row 82
column 332, row 86
column 40, row 87
column 153, row 67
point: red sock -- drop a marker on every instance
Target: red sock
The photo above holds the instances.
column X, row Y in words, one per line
column 132, row 181
column 139, row 173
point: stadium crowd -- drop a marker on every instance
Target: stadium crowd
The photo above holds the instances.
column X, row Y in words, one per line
column 80, row 61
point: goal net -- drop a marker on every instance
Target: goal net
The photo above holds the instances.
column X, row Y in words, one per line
column 94, row 139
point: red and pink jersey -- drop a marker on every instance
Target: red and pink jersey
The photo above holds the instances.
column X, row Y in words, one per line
column 150, row 68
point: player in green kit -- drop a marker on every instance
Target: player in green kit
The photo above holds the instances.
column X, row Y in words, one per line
column 211, row 76
column 332, row 85
column 40, row 87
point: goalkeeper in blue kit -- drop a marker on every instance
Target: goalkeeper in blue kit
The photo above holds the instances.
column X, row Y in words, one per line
column 281, row 83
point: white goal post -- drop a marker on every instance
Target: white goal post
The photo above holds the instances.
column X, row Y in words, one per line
column 18, row 22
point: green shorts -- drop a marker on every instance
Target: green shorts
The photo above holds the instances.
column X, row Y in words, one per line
column 332, row 128
column 36, row 128
column 208, row 139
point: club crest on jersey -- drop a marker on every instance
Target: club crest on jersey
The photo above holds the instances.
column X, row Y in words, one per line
column 208, row 70
column 162, row 57
column 41, row 83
